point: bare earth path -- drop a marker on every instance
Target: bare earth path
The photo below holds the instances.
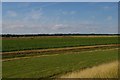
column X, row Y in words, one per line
column 10, row 59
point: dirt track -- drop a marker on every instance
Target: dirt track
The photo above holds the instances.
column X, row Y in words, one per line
column 58, row 49
column 18, row 58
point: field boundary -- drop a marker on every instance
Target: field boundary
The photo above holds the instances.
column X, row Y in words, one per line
column 18, row 58
column 58, row 49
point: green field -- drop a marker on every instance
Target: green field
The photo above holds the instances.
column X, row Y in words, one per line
column 17, row 44
column 54, row 65
column 62, row 55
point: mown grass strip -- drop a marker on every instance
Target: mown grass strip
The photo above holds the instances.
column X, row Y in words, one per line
column 49, row 66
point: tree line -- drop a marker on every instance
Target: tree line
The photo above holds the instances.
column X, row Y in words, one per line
column 35, row 35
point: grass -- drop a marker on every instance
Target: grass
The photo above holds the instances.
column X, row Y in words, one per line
column 107, row 70
column 17, row 44
column 51, row 66
column 50, row 52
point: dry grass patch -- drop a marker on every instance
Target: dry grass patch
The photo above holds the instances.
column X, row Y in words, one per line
column 108, row 70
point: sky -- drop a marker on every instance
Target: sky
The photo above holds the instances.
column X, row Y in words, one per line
column 60, row 0
column 59, row 17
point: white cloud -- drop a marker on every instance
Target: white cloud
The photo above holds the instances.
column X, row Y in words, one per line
column 34, row 14
column 64, row 12
column 109, row 18
column 73, row 12
column 69, row 12
column 49, row 4
column 12, row 13
column 10, row 25
column 106, row 7
column 17, row 26
column 93, row 17
column 59, row 26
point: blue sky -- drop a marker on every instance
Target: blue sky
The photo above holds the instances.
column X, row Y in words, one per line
column 60, row 0
column 60, row 17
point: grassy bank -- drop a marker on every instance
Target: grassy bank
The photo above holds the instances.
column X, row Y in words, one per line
column 50, row 66
column 107, row 70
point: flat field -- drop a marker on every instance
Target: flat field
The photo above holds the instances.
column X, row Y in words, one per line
column 17, row 44
column 63, row 56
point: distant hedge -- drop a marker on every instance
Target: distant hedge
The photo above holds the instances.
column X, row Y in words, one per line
column 30, row 35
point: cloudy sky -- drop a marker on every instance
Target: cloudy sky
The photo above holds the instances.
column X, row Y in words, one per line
column 59, row 17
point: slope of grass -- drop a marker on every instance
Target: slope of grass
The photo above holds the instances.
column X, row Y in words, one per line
column 108, row 70
column 49, row 66
column 16, row 44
